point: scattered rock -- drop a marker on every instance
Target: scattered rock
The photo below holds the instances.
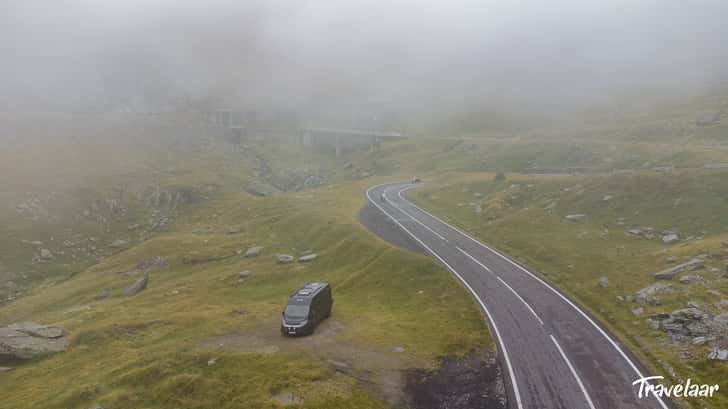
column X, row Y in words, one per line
column 693, row 304
column 670, row 273
column 635, row 232
column 211, row 361
column 46, row 255
column 702, row 340
column 5, row 368
column 284, row 258
column 574, row 217
column 233, row 230
column 398, row 349
column 647, row 295
column 28, row 340
column 691, row 279
column 287, row 399
column 670, row 238
column 606, row 198
column 242, row 275
column 102, row 295
column 138, row 286
column 253, row 251
column 718, row 354
column 151, row 263
column 671, row 260
column 118, row 244
column 603, row 282
column 308, row 257
column 638, row 311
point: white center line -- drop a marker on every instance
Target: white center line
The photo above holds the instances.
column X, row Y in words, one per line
column 504, row 283
column 417, row 221
column 522, row 300
column 573, row 372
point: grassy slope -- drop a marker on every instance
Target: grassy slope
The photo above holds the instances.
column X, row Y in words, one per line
column 144, row 351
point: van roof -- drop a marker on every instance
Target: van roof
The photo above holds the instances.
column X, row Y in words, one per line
column 304, row 294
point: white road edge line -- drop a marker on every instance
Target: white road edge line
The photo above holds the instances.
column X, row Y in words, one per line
column 516, row 391
column 579, row 310
column 573, row 372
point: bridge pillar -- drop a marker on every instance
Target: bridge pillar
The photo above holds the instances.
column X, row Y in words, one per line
column 338, row 146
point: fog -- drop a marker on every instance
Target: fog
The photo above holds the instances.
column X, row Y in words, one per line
column 345, row 56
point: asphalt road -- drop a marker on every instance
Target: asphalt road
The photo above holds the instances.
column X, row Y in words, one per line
column 552, row 353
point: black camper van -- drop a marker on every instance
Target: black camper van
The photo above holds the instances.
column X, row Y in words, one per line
column 306, row 308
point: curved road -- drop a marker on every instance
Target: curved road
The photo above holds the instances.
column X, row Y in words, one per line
column 552, row 353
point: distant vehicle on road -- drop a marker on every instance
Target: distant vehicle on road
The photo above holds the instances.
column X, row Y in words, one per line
column 382, row 198
column 306, row 308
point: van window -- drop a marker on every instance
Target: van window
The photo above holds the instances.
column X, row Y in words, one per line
column 296, row 311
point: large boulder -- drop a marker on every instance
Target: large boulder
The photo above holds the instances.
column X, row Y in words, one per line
column 28, row 340
column 671, row 272
column 138, row 286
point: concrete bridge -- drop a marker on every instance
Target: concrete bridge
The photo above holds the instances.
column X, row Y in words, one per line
column 343, row 140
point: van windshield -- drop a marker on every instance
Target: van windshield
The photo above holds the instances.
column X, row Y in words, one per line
column 296, row 311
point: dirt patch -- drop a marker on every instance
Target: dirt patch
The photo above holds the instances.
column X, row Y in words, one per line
column 380, row 224
column 379, row 369
column 472, row 381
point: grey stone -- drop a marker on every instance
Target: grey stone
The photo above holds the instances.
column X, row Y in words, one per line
column 670, row 238
column 693, row 304
column 308, row 257
column 151, row 263
column 638, row 311
column 117, row 244
column 398, row 349
column 603, row 282
column 574, row 217
column 28, row 340
column 718, row 354
column 233, row 230
column 606, row 198
column 691, row 279
column 671, row 260
column 138, row 286
column 253, row 251
column 243, row 275
column 670, row 273
column 634, row 232
column 648, row 294
column 702, row 340
column 284, row 258
column 46, row 255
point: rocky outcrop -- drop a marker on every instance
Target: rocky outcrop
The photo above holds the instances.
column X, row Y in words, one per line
column 648, row 295
column 670, row 273
column 138, row 286
column 692, row 323
column 28, row 340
